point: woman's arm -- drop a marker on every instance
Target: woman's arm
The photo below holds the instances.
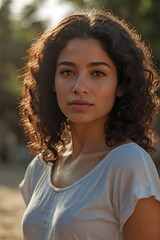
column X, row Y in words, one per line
column 144, row 223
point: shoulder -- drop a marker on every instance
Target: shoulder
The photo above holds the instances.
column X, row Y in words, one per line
column 132, row 167
column 37, row 167
column 131, row 154
column 35, row 171
column 134, row 177
column 130, row 162
column 37, row 163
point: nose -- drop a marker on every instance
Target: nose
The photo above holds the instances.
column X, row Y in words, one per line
column 80, row 86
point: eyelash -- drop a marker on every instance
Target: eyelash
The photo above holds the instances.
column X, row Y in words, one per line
column 100, row 73
column 94, row 73
column 66, row 71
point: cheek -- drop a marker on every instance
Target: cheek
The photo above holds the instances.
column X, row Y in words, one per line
column 107, row 100
column 61, row 101
column 108, row 95
column 62, row 94
column 61, row 86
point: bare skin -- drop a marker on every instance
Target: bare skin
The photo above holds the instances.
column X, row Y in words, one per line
column 86, row 154
column 144, row 223
column 68, row 171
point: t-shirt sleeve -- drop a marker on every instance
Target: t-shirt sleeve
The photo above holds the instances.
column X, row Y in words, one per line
column 33, row 172
column 135, row 178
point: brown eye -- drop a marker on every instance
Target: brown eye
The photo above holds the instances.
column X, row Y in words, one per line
column 67, row 73
column 99, row 74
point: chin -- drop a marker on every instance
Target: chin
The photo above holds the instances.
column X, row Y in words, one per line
column 80, row 120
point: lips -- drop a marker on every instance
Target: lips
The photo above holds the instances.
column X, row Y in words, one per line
column 80, row 102
column 80, row 105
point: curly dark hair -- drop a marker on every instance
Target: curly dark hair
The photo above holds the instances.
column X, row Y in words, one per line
column 132, row 114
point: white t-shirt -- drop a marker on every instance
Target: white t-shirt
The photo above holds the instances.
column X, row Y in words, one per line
column 94, row 207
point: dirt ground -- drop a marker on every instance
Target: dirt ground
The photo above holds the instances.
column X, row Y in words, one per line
column 11, row 202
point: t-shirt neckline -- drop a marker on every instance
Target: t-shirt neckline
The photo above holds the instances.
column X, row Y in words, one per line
column 86, row 175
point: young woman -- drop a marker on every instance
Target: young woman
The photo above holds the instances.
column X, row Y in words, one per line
column 87, row 106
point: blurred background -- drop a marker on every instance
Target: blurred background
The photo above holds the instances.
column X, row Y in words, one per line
column 20, row 23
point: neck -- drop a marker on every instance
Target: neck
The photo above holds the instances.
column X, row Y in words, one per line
column 87, row 138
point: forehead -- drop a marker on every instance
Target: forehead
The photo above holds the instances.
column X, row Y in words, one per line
column 89, row 49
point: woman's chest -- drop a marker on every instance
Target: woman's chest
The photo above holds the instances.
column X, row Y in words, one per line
column 65, row 173
column 82, row 212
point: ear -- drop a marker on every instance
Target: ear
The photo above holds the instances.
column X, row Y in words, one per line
column 121, row 91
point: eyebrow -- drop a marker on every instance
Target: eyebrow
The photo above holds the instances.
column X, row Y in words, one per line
column 98, row 64
column 67, row 63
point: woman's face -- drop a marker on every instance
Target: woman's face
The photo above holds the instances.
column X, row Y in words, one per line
column 85, row 81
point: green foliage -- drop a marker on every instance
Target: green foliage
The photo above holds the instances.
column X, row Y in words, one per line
column 15, row 38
